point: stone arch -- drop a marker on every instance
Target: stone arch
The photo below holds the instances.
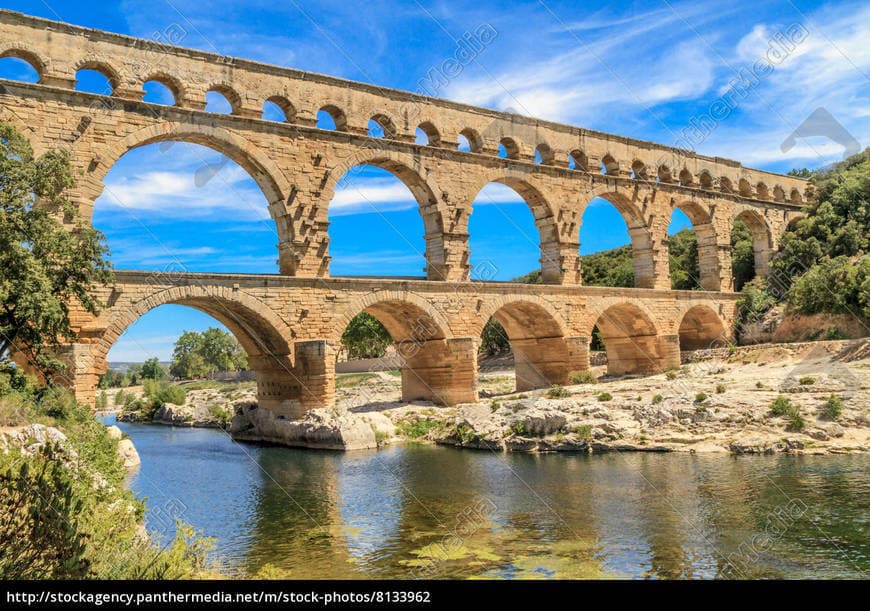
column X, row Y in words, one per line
column 632, row 212
column 631, row 340
column 580, row 159
column 263, row 170
column 762, row 241
column 639, row 169
column 339, row 117
column 537, row 339
column 702, row 328
column 726, row 185
column 231, row 95
column 260, row 331
column 761, row 191
column 432, row 134
column 795, row 196
column 744, row 187
column 429, row 206
column 544, row 216
column 778, row 193
column 546, row 152
column 686, row 178
column 708, row 249
column 27, row 55
column 174, row 85
column 98, row 65
column 705, row 180
column 609, row 165
column 475, row 142
column 285, row 105
column 664, row 174
column 511, row 148
column 399, row 310
column 386, row 124
column 434, row 366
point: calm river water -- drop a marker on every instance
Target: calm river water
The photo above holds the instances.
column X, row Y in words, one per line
column 423, row 511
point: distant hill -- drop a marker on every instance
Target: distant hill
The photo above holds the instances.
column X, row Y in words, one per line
column 124, row 366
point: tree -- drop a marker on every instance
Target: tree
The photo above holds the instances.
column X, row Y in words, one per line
column 742, row 254
column 153, row 370
column 187, row 362
column 683, row 259
column 49, row 256
column 613, row 267
column 197, row 355
column 494, row 339
column 222, row 352
column 365, row 337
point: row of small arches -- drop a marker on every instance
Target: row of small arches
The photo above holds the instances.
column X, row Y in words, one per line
column 161, row 88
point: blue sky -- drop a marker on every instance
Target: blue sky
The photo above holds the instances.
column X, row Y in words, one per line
column 642, row 69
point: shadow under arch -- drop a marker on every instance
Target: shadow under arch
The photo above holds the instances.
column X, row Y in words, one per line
column 701, row 328
column 265, row 337
column 632, row 213
column 427, row 203
column 537, row 339
column 631, row 340
column 434, row 367
column 260, row 332
column 545, row 221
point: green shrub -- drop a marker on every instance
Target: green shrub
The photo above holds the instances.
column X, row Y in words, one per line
column 832, row 408
column 583, row 431
column 558, row 392
column 834, row 333
column 40, row 521
column 14, row 381
column 220, row 413
column 58, row 403
column 517, row 428
column 380, row 436
column 657, row 399
column 604, row 396
column 415, row 429
column 672, row 374
column 720, row 388
column 700, row 397
column 781, row 406
column 494, row 406
column 794, row 420
column 120, row 396
column 102, row 401
column 582, row 377
column 807, row 381
column 161, row 392
column 465, row 434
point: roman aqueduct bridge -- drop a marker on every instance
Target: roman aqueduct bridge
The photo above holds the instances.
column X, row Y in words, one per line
column 290, row 322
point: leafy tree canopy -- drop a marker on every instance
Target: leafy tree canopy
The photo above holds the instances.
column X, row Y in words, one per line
column 49, row 256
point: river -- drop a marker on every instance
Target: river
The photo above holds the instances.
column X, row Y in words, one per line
column 424, row 511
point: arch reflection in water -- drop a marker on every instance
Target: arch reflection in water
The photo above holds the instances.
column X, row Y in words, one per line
column 395, row 512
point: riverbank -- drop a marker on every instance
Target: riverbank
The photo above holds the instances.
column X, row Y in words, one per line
column 754, row 399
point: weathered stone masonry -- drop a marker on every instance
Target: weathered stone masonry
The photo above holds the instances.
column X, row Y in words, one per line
column 289, row 324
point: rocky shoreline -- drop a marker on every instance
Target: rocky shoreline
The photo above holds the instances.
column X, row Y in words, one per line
column 720, row 402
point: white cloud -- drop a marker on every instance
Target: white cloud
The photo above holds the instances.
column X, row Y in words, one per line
column 362, row 195
column 175, row 194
